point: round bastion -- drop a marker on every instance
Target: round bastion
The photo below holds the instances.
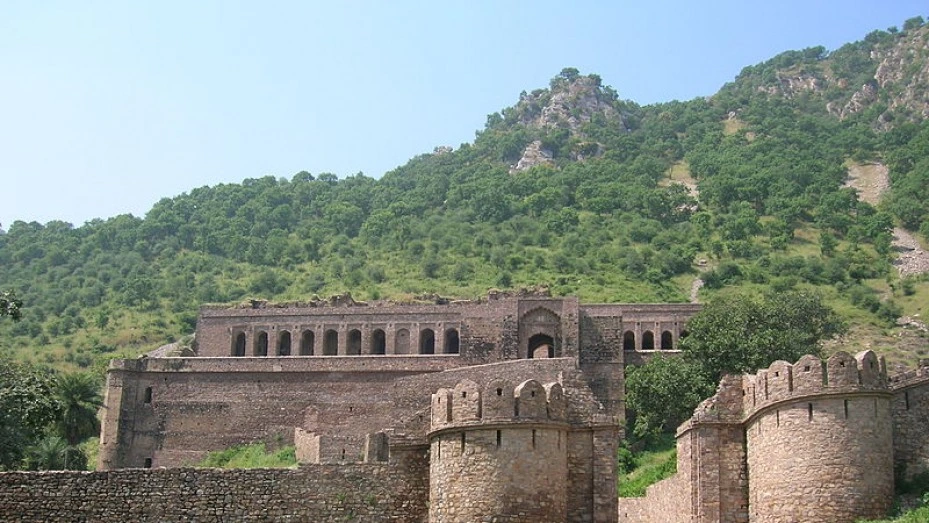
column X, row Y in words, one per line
column 498, row 453
column 819, row 441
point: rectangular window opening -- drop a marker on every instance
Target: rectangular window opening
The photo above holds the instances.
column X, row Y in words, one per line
column 499, row 438
column 533, row 438
column 846, row 409
column 906, row 399
column 809, row 411
column 462, row 442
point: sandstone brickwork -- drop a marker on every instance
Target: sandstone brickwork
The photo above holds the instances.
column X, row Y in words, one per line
column 343, row 370
column 813, row 441
column 371, row 493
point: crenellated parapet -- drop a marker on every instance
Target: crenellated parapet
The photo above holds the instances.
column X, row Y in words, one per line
column 498, row 402
column 910, row 378
column 499, row 451
column 810, row 376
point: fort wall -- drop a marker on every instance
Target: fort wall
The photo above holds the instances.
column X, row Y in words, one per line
column 370, row 493
column 171, row 412
column 820, row 444
column 499, row 452
column 810, row 441
column 910, row 411
column 671, row 500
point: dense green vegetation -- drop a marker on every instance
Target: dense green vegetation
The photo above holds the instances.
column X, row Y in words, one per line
column 919, row 514
column 648, row 465
column 249, row 457
column 47, row 420
column 733, row 334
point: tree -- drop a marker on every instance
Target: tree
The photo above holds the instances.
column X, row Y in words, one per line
column 78, row 396
column 53, row 453
column 27, row 406
column 10, row 305
column 742, row 333
column 732, row 334
column 663, row 393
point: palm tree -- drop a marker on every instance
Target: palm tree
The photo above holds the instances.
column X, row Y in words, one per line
column 79, row 398
column 54, row 453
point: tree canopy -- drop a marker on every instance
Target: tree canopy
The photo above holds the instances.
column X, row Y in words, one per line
column 735, row 333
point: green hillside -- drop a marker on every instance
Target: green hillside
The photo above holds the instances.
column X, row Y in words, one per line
column 572, row 188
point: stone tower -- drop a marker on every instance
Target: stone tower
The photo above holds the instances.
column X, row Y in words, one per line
column 499, row 452
column 819, row 439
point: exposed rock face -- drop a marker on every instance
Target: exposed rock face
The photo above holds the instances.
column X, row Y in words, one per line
column 901, row 80
column 532, row 156
column 792, row 85
column 573, row 103
column 569, row 104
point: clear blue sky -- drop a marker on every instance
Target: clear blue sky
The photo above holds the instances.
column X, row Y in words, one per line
column 106, row 107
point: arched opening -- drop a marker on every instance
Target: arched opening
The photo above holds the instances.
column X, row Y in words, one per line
column 238, row 345
column 402, row 342
column 452, row 342
column 648, row 340
column 378, row 342
column 427, row 341
column 331, row 343
column 261, row 344
column 667, row 341
column 541, row 346
column 283, row 344
column 307, row 342
column 629, row 340
column 354, row 342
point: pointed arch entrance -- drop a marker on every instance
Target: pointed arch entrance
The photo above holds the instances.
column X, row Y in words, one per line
column 539, row 334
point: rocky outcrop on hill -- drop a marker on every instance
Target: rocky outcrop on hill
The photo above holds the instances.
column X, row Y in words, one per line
column 791, row 85
column 534, row 155
column 572, row 102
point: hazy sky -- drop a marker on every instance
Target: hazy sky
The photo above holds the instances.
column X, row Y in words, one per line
column 106, row 107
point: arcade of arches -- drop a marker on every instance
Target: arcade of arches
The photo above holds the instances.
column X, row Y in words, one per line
column 352, row 342
column 648, row 341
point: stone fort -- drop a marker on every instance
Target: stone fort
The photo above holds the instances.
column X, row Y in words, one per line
column 504, row 409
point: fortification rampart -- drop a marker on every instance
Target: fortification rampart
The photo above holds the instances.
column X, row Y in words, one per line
column 822, row 429
column 810, row 441
column 171, row 412
column 370, row 493
column 499, row 452
column 910, row 411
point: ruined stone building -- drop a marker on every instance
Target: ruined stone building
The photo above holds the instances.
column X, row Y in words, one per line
column 525, row 390
column 506, row 409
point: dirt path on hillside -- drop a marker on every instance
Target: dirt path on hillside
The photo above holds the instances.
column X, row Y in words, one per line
column 695, row 290
column 872, row 181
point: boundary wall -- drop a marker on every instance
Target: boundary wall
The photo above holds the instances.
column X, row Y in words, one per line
column 370, row 493
column 812, row 441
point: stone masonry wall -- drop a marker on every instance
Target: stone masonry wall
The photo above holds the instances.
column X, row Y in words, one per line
column 830, row 467
column 819, row 440
column 669, row 500
column 319, row 493
column 810, row 441
column 196, row 405
column 910, row 406
column 523, row 478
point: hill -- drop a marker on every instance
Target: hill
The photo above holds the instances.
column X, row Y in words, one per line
column 572, row 187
